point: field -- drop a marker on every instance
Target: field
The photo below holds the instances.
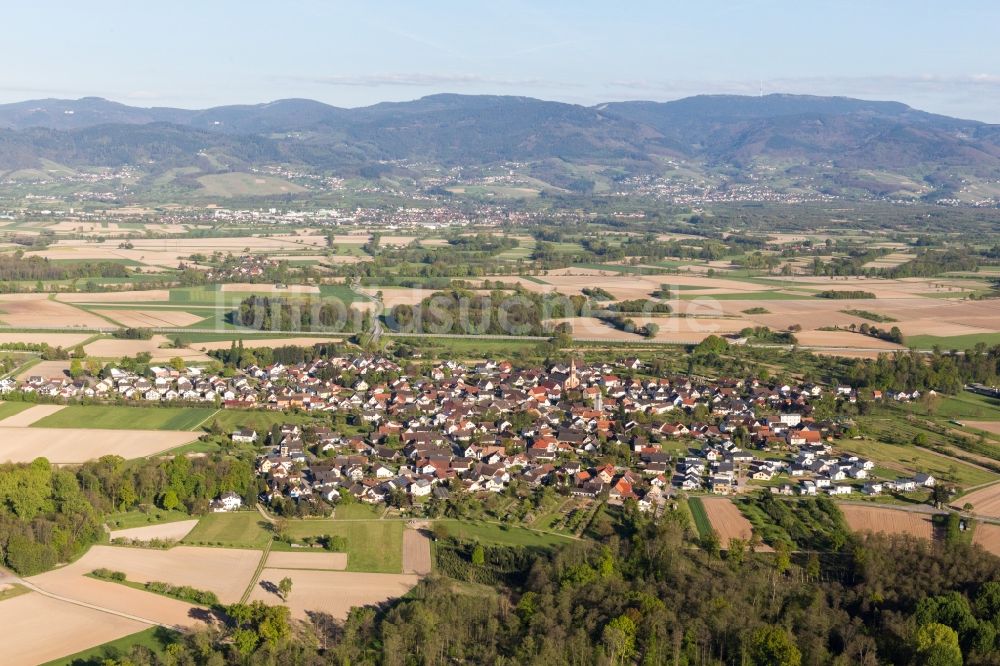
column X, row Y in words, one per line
column 151, row 318
column 985, row 501
column 132, row 418
column 992, row 427
column 333, row 592
column 76, row 445
column 65, row 340
column 239, row 184
column 22, row 418
column 38, row 629
column 157, row 346
column 225, row 571
column 37, row 310
column 727, row 520
column 9, row 409
column 907, row 460
column 501, row 535
column 987, row 536
column 172, row 531
column 155, row 639
column 243, row 529
column 319, row 561
column 890, row 521
column 372, row 545
column 416, row 552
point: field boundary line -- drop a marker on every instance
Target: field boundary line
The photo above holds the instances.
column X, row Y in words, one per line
column 256, row 574
column 202, row 422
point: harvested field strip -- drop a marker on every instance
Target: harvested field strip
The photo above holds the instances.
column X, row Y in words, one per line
column 987, row 536
column 174, row 531
column 985, row 501
column 38, row 629
column 77, row 445
column 889, row 521
column 416, row 552
column 727, row 520
column 25, row 418
column 115, row 417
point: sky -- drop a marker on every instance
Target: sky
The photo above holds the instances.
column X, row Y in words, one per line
column 940, row 57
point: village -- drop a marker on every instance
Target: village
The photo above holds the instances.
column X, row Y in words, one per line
column 601, row 431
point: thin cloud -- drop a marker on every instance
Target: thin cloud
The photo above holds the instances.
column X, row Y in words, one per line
column 424, row 80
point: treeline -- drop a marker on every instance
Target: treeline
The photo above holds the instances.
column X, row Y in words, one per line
column 914, row 371
column 51, row 514
column 264, row 313
column 17, row 267
column 238, row 356
column 844, row 294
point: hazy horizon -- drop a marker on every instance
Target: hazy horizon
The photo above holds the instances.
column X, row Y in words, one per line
column 193, row 55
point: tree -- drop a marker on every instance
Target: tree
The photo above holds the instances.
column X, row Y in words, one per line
column 170, row 501
column 284, row 587
column 619, row 638
column 772, row 646
column 478, row 555
column 937, row 645
column 76, row 368
column 177, row 363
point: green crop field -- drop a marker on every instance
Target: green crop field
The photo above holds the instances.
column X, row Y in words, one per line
column 374, row 546
column 242, row 529
column 12, row 408
column 952, row 342
column 701, row 521
column 126, row 418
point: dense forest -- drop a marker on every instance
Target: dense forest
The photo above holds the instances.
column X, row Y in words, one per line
column 15, row 267
column 50, row 514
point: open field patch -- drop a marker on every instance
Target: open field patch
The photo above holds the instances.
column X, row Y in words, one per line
column 225, row 571
column 46, row 369
column 239, row 184
column 889, row 521
column 38, row 311
column 333, row 592
column 173, row 531
column 987, row 536
column 114, row 349
column 242, row 529
column 25, row 418
column 77, row 445
column 117, row 297
column 416, row 552
column 127, row 418
column 307, row 560
column 160, row 318
column 72, row 582
column 985, row 501
column 38, row 629
column 372, row 545
column 251, row 287
column 989, row 426
column 727, row 520
column 65, row 340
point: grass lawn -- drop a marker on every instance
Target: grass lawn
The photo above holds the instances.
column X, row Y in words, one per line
column 127, row 418
column 357, row 511
column 952, row 342
column 259, row 420
column 129, row 519
column 155, row 638
column 242, row 529
column 501, row 535
column 14, row 590
column 701, row 521
column 12, row 408
column 374, row 546
column 968, row 406
column 906, row 460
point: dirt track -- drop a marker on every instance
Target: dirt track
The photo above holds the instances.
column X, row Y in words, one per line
column 416, row 552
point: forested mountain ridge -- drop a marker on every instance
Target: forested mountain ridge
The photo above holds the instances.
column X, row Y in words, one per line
column 788, row 132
